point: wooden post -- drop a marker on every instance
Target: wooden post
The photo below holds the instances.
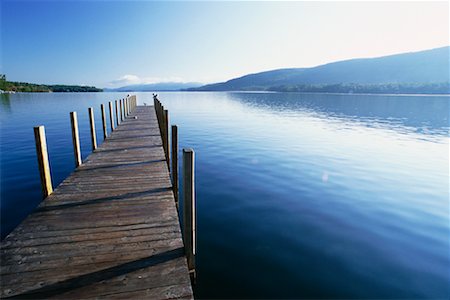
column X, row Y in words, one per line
column 105, row 132
column 126, row 107
column 156, row 110
column 123, row 109
column 161, row 116
column 161, row 119
column 75, row 138
column 117, row 114
column 155, row 104
column 189, row 217
column 93, row 133
column 43, row 163
column 175, row 162
column 161, row 126
column 121, row 112
column 158, row 115
column 124, row 112
column 166, row 137
column 111, row 118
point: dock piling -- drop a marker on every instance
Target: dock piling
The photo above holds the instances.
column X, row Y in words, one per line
column 161, row 113
column 75, row 138
column 189, row 218
column 156, row 104
column 175, row 162
column 105, row 132
column 92, row 124
column 43, row 162
column 166, row 136
column 121, row 111
column 111, row 118
column 123, row 108
column 117, row 114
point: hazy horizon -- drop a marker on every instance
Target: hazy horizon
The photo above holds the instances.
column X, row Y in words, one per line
column 113, row 44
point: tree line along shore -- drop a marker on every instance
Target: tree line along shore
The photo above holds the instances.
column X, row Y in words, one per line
column 24, row 87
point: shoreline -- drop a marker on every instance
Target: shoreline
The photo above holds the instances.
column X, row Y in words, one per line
column 237, row 91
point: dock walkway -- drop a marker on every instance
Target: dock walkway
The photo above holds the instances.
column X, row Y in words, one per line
column 109, row 230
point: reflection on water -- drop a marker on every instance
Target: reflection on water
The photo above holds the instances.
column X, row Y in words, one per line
column 5, row 102
column 299, row 195
column 425, row 114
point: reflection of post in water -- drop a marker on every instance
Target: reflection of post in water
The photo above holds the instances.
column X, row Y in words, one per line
column 5, row 102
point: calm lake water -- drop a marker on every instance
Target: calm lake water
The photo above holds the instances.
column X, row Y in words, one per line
column 299, row 195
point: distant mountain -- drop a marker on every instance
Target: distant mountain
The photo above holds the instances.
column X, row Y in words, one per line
column 417, row 72
column 162, row 86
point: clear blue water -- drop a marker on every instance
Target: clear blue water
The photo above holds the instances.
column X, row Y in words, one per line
column 299, row 195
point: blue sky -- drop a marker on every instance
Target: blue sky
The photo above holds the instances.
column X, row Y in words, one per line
column 114, row 43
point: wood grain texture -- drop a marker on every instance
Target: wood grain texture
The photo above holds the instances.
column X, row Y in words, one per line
column 117, row 114
column 110, row 230
column 105, row 131
column 121, row 109
column 75, row 138
column 111, row 118
column 43, row 164
column 174, row 161
column 92, row 127
column 189, row 214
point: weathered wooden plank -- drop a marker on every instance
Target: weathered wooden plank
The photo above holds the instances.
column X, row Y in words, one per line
column 109, row 230
column 133, row 282
column 21, row 282
column 46, row 261
column 37, row 233
column 120, row 279
column 45, row 258
column 33, row 241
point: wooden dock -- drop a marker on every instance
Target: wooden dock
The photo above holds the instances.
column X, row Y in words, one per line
column 110, row 230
